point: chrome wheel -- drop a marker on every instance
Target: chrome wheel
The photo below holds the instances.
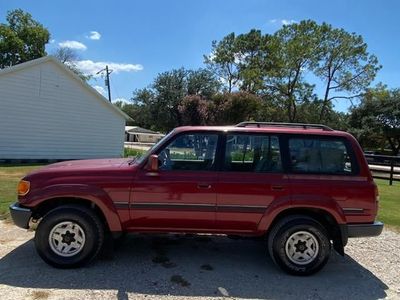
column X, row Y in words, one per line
column 302, row 247
column 67, row 239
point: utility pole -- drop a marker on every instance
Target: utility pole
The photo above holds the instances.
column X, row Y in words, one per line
column 107, row 80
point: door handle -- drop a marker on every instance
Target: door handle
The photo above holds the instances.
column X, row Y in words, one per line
column 204, row 186
column 277, row 188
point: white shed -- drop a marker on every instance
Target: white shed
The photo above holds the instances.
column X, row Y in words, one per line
column 138, row 134
column 48, row 112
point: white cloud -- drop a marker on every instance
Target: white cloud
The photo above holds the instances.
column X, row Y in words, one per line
column 121, row 99
column 92, row 67
column 94, row 35
column 73, row 45
column 282, row 21
column 288, row 22
column 52, row 41
column 100, row 89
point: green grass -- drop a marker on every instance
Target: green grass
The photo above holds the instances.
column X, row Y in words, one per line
column 129, row 152
column 389, row 212
column 389, row 205
column 9, row 177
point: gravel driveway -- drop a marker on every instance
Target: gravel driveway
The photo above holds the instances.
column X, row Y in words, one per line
column 198, row 267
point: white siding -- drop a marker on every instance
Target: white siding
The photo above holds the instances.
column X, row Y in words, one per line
column 47, row 114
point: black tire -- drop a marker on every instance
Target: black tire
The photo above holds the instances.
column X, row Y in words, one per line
column 293, row 226
column 87, row 220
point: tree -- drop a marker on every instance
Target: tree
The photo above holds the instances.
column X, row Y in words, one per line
column 376, row 121
column 344, row 64
column 292, row 51
column 162, row 100
column 203, row 83
column 252, row 58
column 69, row 57
column 223, row 61
column 21, row 39
column 240, row 61
column 194, row 110
column 233, row 108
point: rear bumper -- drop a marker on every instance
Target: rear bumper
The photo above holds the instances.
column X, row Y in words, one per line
column 20, row 215
column 364, row 230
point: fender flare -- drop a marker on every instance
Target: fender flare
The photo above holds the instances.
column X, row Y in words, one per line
column 325, row 204
column 88, row 192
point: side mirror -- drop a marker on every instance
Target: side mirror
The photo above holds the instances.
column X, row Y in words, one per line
column 152, row 164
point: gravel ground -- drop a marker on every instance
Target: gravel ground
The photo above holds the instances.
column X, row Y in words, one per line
column 198, row 267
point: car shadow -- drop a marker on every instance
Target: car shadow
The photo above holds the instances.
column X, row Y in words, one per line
column 193, row 265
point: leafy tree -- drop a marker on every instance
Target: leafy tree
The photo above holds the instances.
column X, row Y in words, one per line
column 69, row 57
column 252, row 58
column 203, row 83
column 309, row 112
column 223, row 61
column 376, row 121
column 293, row 52
column 344, row 65
column 162, row 100
column 21, row 39
column 233, row 108
column 194, row 110
column 240, row 61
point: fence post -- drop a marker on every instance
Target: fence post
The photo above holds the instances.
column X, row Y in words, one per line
column 391, row 171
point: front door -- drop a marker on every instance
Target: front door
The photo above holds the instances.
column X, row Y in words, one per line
column 250, row 180
column 181, row 195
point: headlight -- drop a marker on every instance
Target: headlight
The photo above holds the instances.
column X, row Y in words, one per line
column 23, row 187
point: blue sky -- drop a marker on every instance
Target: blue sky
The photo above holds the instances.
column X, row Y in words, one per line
column 148, row 37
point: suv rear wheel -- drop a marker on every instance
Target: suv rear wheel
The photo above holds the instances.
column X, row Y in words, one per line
column 69, row 236
column 299, row 245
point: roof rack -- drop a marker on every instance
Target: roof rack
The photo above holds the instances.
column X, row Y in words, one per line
column 278, row 124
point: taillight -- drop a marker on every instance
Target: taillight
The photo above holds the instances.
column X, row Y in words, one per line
column 376, row 193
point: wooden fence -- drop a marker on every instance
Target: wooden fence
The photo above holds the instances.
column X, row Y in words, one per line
column 384, row 167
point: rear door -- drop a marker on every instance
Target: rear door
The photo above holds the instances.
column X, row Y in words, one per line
column 324, row 172
column 251, row 178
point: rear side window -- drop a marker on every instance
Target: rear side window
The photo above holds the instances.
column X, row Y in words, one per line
column 252, row 153
column 320, row 156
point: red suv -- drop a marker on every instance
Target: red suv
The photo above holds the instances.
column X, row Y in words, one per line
column 304, row 187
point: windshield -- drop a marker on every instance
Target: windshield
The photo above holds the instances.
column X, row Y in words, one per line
column 141, row 158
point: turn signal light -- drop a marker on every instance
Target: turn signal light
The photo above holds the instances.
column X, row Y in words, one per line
column 23, row 187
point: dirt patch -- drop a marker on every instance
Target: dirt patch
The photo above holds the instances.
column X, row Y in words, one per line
column 40, row 295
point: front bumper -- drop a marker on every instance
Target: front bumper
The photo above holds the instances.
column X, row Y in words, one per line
column 364, row 230
column 20, row 215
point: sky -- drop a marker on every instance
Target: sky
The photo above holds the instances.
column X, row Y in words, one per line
column 139, row 39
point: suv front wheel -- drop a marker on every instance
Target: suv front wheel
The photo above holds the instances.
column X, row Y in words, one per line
column 69, row 236
column 299, row 245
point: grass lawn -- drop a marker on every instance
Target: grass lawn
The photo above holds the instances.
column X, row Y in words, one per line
column 9, row 177
column 389, row 212
column 389, row 205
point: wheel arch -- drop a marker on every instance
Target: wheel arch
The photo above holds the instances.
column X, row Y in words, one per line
column 110, row 220
column 323, row 216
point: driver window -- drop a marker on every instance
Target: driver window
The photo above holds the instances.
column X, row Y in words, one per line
column 190, row 152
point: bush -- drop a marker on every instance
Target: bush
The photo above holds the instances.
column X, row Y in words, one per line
column 130, row 152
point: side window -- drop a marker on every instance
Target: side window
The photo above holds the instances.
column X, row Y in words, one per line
column 192, row 152
column 324, row 156
column 252, row 153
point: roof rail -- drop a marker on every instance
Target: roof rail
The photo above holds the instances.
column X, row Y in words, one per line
column 278, row 124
